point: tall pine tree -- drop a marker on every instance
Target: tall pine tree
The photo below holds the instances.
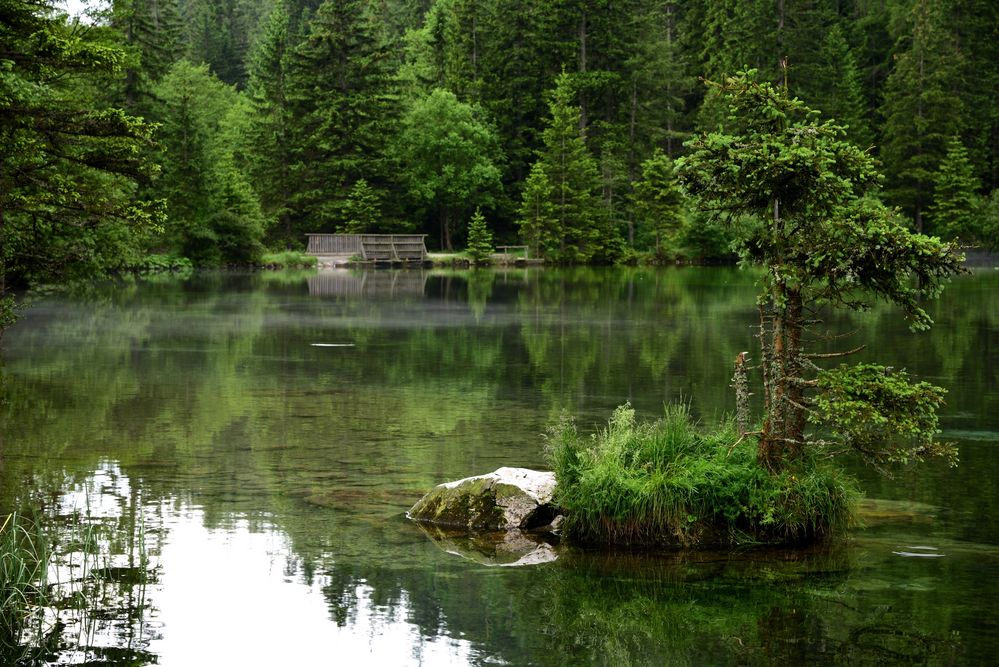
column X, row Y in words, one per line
column 153, row 32
column 580, row 229
column 956, row 202
column 921, row 108
column 343, row 107
column 270, row 129
column 838, row 90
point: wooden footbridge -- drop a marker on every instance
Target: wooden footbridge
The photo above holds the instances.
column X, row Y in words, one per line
column 379, row 248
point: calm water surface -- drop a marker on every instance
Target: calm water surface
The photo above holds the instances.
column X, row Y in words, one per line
column 252, row 442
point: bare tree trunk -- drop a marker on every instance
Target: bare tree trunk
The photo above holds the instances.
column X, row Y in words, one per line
column 633, row 172
column 740, row 382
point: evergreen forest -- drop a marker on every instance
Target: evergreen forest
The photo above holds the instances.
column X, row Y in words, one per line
column 148, row 132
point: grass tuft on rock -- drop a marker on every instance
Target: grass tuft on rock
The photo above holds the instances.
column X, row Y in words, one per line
column 665, row 483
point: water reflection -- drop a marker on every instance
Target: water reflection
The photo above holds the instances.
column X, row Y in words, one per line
column 237, row 583
column 367, row 284
column 265, row 478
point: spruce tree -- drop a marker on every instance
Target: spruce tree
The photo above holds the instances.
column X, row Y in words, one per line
column 820, row 240
column 153, row 31
column 480, row 239
column 536, row 215
column 659, row 81
column 270, row 131
column 974, row 23
column 580, row 227
column 659, row 202
column 220, row 33
column 921, row 108
column 838, row 91
column 343, row 109
column 362, row 210
column 955, row 198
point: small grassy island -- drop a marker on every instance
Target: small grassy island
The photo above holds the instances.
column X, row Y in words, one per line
column 667, row 483
column 794, row 192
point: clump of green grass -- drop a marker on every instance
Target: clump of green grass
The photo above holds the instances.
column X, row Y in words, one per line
column 24, row 559
column 288, row 259
column 667, row 483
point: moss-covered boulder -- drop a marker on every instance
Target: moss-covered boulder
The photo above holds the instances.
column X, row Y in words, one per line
column 502, row 500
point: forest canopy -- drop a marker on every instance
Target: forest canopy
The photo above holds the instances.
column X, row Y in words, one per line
column 216, row 129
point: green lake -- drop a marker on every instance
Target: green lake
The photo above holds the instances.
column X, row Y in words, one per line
column 250, row 443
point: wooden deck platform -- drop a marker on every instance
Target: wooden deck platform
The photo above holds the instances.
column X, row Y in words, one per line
column 388, row 248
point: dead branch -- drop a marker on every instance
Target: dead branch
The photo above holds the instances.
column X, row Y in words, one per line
column 833, row 355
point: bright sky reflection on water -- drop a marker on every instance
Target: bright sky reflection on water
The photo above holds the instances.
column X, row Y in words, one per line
column 231, row 583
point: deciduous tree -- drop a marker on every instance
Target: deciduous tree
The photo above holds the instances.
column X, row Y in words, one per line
column 450, row 157
column 214, row 215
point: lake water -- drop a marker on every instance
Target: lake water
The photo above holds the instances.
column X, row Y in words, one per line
column 244, row 448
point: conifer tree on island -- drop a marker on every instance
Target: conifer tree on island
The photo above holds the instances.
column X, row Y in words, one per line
column 794, row 190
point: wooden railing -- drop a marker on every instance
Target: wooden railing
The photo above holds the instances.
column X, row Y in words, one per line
column 371, row 247
column 334, row 244
column 507, row 248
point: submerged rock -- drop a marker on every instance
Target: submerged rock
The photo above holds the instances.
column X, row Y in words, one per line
column 502, row 500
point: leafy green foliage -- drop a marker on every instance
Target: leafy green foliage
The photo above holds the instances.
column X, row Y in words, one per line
column 288, row 259
column 666, row 483
column 450, row 158
column 881, row 414
column 988, row 221
column 214, row 215
column 69, row 164
column 480, row 239
column 162, row 263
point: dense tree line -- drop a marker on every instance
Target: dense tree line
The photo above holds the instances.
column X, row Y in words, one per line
column 248, row 124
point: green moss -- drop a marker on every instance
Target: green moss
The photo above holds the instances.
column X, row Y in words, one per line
column 471, row 505
column 666, row 483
